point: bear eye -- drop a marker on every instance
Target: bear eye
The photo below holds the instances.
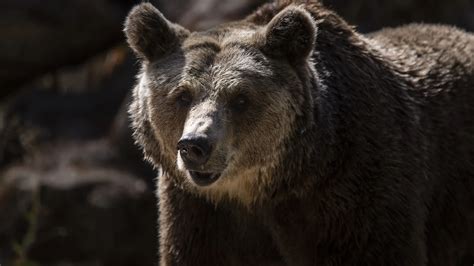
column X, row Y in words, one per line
column 184, row 99
column 239, row 103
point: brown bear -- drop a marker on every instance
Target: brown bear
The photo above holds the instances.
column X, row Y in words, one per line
column 287, row 138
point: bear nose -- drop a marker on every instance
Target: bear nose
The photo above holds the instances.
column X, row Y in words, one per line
column 195, row 151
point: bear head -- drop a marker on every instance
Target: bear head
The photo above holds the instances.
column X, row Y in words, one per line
column 218, row 109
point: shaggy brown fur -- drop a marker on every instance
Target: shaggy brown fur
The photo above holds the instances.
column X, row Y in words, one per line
column 316, row 145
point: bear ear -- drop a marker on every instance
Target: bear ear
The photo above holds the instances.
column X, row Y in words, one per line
column 150, row 34
column 290, row 34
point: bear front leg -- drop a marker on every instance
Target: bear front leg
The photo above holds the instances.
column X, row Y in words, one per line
column 195, row 232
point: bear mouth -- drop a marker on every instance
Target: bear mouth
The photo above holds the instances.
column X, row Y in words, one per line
column 203, row 178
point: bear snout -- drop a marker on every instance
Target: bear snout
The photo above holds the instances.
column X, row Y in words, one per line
column 194, row 150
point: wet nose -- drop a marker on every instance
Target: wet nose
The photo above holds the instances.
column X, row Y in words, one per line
column 194, row 150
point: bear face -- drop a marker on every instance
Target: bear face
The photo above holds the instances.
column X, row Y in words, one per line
column 205, row 99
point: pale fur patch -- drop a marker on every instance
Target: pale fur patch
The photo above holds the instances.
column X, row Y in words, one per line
column 243, row 35
column 230, row 75
column 180, row 163
column 243, row 187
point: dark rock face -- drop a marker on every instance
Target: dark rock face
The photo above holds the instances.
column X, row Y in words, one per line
column 93, row 207
column 370, row 15
column 73, row 185
column 40, row 36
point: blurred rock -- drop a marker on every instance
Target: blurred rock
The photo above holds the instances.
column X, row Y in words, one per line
column 70, row 142
column 95, row 208
column 41, row 36
column 370, row 15
column 204, row 14
column 81, row 106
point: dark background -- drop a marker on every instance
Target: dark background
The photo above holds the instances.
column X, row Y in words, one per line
column 73, row 188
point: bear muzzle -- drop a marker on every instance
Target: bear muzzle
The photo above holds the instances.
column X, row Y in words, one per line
column 202, row 178
column 195, row 151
